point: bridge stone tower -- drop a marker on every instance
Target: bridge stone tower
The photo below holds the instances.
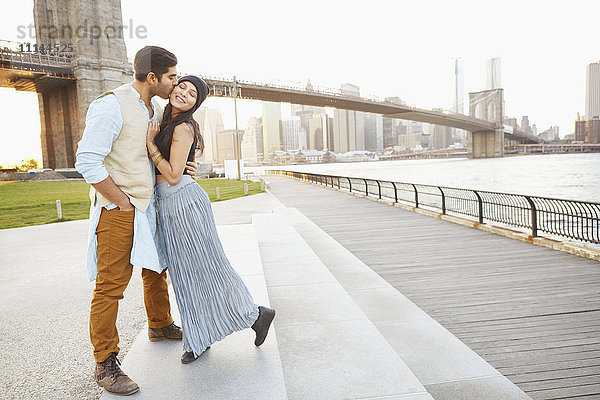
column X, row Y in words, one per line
column 99, row 62
column 487, row 105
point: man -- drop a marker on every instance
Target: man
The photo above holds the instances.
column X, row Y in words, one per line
column 112, row 157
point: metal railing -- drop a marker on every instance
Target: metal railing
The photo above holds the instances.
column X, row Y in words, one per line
column 35, row 61
column 578, row 220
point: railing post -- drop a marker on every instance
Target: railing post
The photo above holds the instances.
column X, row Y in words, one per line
column 366, row 188
column 350, row 184
column 533, row 217
column 379, row 184
column 416, row 196
column 480, row 208
column 443, row 200
column 395, row 192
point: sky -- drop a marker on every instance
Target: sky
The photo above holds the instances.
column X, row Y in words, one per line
column 387, row 48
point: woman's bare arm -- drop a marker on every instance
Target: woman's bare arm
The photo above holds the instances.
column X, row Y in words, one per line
column 172, row 170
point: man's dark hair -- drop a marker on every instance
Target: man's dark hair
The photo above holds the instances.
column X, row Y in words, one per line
column 153, row 59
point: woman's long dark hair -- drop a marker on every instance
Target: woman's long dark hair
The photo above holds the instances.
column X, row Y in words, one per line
column 167, row 127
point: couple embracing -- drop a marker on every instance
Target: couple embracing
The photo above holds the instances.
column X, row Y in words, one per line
column 148, row 211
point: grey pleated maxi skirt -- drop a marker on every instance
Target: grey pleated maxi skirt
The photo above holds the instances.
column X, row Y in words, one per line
column 212, row 298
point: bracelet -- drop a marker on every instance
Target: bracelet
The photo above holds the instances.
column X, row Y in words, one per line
column 157, row 160
column 155, row 153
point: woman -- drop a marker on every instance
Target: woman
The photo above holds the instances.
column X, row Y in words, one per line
column 213, row 300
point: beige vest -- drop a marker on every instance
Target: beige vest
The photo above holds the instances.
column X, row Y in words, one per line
column 127, row 163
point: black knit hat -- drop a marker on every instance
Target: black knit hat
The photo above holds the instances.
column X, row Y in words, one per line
column 201, row 87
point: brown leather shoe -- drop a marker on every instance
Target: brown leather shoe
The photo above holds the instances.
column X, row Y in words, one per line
column 109, row 376
column 171, row 332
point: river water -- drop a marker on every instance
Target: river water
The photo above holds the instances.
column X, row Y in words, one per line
column 564, row 176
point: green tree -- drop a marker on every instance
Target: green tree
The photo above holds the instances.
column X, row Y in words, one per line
column 27, row 164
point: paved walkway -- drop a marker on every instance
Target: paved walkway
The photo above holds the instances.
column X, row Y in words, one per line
column 532, row 312
column 342, row 331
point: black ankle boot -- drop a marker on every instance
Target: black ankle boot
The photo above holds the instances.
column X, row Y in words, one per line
column 261, row 326
column 189, row 357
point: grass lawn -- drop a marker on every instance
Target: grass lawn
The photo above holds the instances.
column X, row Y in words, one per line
column 34, row 203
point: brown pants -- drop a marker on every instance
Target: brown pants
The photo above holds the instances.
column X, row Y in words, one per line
column 115, row 240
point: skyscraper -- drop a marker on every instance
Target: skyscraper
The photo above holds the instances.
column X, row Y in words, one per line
column 210, row 122
column 318, row 128
column 348, row 126
column 374, row 132
column 252, row 142
column 458, row 104
column 271, row 117
column 592, row 91
column 493, row 74
column 306, row 114
column 525, row 124
column 226, row 145
column 290, row 132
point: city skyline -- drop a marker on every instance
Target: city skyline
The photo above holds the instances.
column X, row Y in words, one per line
column 543, row 70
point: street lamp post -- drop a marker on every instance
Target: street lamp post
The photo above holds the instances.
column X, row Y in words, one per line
column 237, row 140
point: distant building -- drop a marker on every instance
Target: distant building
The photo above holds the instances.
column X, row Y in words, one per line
column 313, row 156
column 588, row 131
column 441, row 137
column 525, row 124
column 493, row 74
column 458, row 102
column 348, row 126
column 271, row 121
column 414, row 127
column 592, row 91
column 290, row 132
column 350, row 90
column 550, row 134
column 409, row 140
column 318, row 132
column 252, row 143
column 226, row 146
column 210, row 122
column 373, row 132
column 306, row 114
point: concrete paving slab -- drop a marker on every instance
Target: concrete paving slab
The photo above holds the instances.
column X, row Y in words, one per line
column 286, row 252
column 348, row 270
column 238, row 242
column 245, row 262
column 432, row 353
column 232, row 368
column 420, row 396
column 298, row 273
column 44, row 311
column 385, row 304
column 239, row 211
column 328, row 348
column 340, row 360
column 315, row 303
column 493, row 388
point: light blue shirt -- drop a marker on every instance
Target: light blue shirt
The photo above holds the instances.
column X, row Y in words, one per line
column 102, row 126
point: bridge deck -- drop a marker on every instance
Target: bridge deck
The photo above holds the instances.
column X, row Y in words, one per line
column 531, row 312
